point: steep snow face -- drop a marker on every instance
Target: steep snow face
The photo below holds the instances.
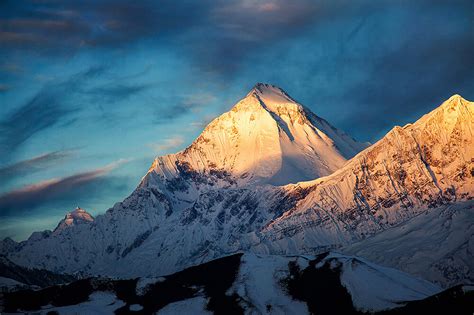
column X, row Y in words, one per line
column 266, row 137
column 75, row 217
column 412, row 169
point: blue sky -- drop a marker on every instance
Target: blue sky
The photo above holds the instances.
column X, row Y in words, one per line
column 91, row 91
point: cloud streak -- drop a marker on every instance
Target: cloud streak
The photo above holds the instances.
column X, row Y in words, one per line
column 55, row 27
column 217, row 32
column 42, row 112
column 58, row 101
column 33, row 165
column 57, row 189
column 167, row 145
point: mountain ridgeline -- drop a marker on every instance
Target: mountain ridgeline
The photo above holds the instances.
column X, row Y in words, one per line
column 271, row 177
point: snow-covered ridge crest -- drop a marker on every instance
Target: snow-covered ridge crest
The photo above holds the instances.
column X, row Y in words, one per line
column 413, row 169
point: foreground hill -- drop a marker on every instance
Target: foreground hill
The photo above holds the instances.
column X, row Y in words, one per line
column 327, row 284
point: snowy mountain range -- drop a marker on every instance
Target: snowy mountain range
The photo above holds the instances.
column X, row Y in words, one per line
column 271, row 177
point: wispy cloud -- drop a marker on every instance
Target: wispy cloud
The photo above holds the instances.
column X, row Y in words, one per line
column 66, row 188
column 60, row 100
column 174, row 107
column 167, row 145
column 33, row 165
column 110, row 92
column 55, row 27
column 42, row 112
column 4, row 87
column 11, row 68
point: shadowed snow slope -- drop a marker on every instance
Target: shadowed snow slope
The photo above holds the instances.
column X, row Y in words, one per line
column 436, row 245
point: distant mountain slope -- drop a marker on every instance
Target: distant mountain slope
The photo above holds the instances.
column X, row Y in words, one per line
column 437, row 245
column 31, row 276
column 409, row 171
column 330, row 283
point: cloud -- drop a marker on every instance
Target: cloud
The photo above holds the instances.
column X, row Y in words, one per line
column 60, row 100
column 113, row 91
column 175, row 106
column 11, row 68
column 55, row 27
column 409, row 97
column 33, row 165
column 43, row 111
column 268, row 6
column 4, row 87
column 57, row 189
column 50, row 106
column 167, row 145
column 217, row 35
column 411, row 74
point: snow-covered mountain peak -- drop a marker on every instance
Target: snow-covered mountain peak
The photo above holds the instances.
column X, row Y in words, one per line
column 75, row 217
column 266, row 137
column 271, row 92
column 272, row 99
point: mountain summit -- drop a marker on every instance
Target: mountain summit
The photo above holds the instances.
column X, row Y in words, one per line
column 267, row 137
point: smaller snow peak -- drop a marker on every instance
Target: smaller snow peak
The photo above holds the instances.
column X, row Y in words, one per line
column 80, row 214
column 75, row 217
